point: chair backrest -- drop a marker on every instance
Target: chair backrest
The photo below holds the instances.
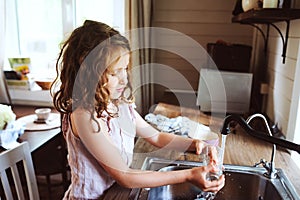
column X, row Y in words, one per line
column 18, row 160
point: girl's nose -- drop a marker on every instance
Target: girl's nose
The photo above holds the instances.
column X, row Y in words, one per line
column 123, row 79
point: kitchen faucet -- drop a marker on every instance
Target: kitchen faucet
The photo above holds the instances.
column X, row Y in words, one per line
column 225, row 130
column 269, row 166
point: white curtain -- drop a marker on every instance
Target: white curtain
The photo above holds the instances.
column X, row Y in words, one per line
column 138, row 16
column 4, row 96
column 2, row 31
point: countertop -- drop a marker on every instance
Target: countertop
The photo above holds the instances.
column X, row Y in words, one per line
column 241, row 149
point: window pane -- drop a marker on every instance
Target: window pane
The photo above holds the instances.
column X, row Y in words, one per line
column 110, row 12
column 40, row 31
column 36, row 29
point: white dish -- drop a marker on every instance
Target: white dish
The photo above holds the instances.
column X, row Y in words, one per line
column 42, row 113
column 31, row 122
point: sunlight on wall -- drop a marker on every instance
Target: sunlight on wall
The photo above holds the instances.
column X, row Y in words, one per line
column 296, row 156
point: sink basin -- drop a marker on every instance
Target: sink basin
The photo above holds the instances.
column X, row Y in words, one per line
column 242, row 182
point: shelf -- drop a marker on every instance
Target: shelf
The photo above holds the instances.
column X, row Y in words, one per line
column 266, row 15
column 269, row 16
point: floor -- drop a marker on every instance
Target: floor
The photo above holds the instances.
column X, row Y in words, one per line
column 57, row 192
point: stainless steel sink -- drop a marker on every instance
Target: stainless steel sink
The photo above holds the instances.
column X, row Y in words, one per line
column 242, row 182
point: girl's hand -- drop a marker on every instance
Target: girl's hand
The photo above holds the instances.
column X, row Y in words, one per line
column 198, row 178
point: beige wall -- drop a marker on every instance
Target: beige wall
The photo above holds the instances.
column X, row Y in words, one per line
column 205, row 21
column 280, row 76
column 282, row 103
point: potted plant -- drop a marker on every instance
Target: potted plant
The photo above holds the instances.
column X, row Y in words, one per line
column 10, row 129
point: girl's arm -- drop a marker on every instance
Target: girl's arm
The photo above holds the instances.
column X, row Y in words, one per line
column 103, row 149
column 166, row 140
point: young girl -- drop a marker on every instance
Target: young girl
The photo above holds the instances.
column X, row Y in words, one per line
column 100, row 122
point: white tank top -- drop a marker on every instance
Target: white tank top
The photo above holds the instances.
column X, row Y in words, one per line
column 88, row 179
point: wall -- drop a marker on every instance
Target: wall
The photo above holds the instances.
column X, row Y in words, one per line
column 205, row 22
column 280, row 76
column 282, row 103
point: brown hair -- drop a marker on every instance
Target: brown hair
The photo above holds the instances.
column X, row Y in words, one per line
column 82, row 68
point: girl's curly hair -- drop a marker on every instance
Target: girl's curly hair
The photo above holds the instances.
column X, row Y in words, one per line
column 82, row 68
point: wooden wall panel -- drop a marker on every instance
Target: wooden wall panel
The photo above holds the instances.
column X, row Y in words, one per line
column 194, row 4
column 173, row 39
column 278, row 108
column 280, row 75
column 294, row 31
column 204, row 21
column 287, row 69
column 282, row 85
column 217, row 30
column 192, row 16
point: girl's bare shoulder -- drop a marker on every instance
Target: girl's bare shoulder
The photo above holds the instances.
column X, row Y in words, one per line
column 84, row 118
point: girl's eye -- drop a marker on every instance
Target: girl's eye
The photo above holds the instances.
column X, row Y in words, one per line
column 113, row 73
column 118, row 72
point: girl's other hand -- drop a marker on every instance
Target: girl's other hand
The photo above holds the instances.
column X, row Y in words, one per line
column 199, row 145
column 212, row 155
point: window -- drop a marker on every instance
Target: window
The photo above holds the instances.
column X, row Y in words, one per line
column 35, row 28
column 111, row 12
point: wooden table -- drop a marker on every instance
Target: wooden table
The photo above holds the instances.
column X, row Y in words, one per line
column 38, row 138
column 34, row 138
column 241, row 149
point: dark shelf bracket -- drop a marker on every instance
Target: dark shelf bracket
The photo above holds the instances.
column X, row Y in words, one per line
column 266, row 36
column 284, row 40
column 260, row 30
column 269, row 16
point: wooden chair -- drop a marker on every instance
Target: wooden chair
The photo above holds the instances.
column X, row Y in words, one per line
column 18, row 160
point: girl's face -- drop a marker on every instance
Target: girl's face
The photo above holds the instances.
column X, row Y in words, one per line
column 117, row 76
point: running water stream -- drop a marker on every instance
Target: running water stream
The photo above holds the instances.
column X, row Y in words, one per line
column 223, row 147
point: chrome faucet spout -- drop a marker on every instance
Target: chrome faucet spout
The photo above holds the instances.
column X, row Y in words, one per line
column 225, row 130
column 269, row 166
